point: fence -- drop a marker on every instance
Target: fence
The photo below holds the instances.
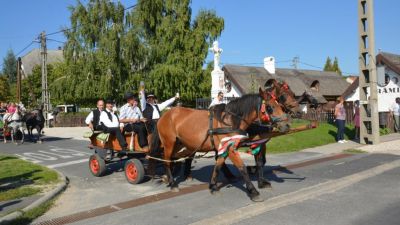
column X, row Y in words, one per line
column 70, row 121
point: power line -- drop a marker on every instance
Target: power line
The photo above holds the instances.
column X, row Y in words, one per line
column 67, row 29
column 49, row 39
column 25, row 48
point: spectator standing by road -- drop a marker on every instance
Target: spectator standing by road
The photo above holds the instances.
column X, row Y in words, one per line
column 395, row 113
column 340, row 115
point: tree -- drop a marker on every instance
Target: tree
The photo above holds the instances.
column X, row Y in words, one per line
column 335, row 66
column 328, row 64
column 178, row 45
column 10, row 66
column 4, row 88
column 109, row 50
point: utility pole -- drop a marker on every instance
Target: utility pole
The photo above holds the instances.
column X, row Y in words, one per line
column 295, row 62
column 369, row 126
column 45, row 91
column 19, row 80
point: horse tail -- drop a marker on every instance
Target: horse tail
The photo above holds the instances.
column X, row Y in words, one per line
column 155, row 143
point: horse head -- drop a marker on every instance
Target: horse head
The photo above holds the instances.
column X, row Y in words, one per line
column 272, row 112
column 282, row 93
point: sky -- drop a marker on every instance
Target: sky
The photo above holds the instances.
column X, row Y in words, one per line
column 309, row 29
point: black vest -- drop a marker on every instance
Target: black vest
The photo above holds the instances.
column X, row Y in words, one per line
column 148, row 112
column 96, row 119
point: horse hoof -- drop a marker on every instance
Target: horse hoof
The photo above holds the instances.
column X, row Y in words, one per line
column 39, row 142
column 175, row 189
column 257, row 198
column 164, row 179
column 214, row 191
column 264, row 184
column 189, row 179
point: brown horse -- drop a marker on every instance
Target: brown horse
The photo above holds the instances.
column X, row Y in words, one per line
column 284, row 96
column 193, row 128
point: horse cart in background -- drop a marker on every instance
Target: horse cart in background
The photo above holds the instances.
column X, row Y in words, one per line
column 13, row 129
column 106, row 149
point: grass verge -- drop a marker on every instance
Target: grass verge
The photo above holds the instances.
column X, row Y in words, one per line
column 28, row 217
column 20, row 178
column 324, row 134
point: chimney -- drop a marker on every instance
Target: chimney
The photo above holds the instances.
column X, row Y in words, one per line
column 269, row 64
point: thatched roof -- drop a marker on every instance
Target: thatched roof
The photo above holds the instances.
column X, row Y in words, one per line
column 34, row 58
column 390, row 60
column 331, row 83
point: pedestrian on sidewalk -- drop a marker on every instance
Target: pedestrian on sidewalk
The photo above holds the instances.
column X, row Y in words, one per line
column 356, row 119
column 395, row 113
column 340, row 115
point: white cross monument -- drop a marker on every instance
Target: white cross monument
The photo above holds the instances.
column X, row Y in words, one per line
column 217, row 75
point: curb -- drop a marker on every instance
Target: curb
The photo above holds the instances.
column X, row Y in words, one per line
column 48, row 196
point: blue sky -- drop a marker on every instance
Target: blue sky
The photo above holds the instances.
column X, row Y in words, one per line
column 309, row 29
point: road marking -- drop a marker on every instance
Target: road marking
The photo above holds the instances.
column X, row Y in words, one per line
column 58, row 155
column 28, row 158
column 247, row 212
column 39, row 156
column 68, row 163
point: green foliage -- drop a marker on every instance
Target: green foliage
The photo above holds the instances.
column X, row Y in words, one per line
column 10, row 66
column 335, row 66
column 384, row 131
column 329, row 66
column 4, row 88
column 109, row 50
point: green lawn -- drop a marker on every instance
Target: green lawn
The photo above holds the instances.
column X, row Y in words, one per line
column 324, row 134
column 19, row 178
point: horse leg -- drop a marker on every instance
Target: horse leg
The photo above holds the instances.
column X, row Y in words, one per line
column 260, row 162
column 39, row 131
column 168, row 167
column 187, row 173
column 238, row 162
column 226, row 171
column 214, row 178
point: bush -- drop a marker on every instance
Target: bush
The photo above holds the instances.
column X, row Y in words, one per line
column 384, row 131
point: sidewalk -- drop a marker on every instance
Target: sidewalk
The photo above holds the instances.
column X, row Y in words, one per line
column 67, row 132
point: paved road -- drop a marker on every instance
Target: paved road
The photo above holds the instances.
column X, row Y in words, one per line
column 372, row 200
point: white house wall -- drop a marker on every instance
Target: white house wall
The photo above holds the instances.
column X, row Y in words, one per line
column 386, row 94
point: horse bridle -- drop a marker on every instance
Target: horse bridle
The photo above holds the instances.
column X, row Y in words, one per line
column 281, row 99
column 266, row 111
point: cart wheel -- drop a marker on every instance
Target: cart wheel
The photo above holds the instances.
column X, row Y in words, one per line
column 97, row 165
column 134, row 171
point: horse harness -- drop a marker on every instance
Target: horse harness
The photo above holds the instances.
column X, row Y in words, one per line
column 266, row 116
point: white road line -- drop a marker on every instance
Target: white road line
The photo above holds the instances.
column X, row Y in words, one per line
column 246, row 212
column 68, row 163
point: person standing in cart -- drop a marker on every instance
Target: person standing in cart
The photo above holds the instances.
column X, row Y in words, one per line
column 152, row 110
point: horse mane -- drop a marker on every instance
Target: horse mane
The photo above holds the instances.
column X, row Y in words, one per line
column 237, row 109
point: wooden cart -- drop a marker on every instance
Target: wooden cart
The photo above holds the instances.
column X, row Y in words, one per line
column 106, row 152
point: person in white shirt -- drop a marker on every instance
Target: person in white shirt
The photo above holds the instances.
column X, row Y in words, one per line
column 133, row 120
column 152, row 110
column 218, row 100
column 110, row 124
column 93, row 119
column 395, row 112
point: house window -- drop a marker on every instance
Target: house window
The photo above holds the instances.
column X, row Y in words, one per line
column 315, row 85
